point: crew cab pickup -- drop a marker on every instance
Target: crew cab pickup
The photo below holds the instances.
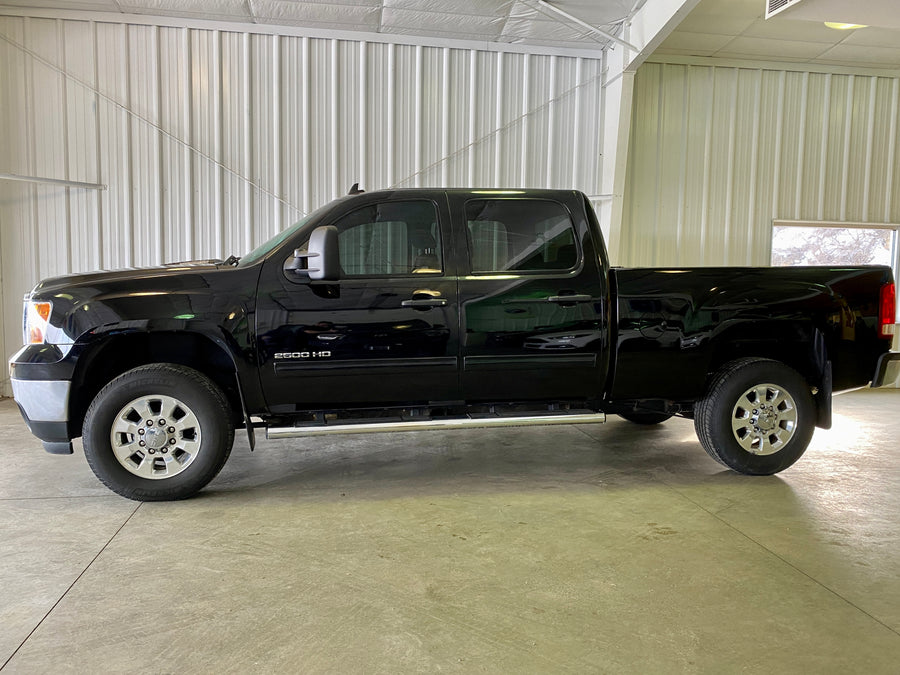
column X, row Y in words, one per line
column 437, row 309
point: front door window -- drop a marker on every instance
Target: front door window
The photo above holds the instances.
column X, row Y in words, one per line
column 390, row 239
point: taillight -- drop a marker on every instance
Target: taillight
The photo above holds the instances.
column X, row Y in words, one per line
column 37, row 318
column 887, row 306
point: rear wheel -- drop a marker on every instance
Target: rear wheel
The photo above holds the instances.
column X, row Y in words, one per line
column 757, row 417
column 158, row 432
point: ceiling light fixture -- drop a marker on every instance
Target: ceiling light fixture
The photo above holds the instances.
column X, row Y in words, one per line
column 844, row 26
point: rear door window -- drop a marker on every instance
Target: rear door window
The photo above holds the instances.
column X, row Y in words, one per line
column 520, row 235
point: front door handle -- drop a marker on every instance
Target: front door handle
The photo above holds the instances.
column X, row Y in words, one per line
column 570, row 298
column 429, row 302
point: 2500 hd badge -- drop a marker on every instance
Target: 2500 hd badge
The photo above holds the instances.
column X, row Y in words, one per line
column 302, row 355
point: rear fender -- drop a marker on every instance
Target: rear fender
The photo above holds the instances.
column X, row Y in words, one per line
column 798, row 345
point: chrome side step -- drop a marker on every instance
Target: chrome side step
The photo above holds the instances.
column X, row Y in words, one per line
column 432, row 424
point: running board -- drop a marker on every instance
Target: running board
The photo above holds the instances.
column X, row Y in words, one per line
column 433, row 424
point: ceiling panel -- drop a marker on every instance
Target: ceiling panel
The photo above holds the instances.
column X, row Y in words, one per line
column 412, row 21
column 461, row 7
column 722, row 24
column 876, row 37
column 869, row 12
column 793, row 31
column 316, row 14
column 737, row 29
column 779, row 50
column 861, row 55
column 701, row 44
column 89, row 5
column 503, row 21
column 717, row 28
column 229, row 8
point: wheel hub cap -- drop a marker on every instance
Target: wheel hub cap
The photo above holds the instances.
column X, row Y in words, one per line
column 764, row 419
column 155, row 436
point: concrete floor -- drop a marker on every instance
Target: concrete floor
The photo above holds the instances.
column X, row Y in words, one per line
column 603, row 548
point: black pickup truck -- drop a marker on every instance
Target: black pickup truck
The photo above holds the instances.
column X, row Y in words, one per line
column 437, row 309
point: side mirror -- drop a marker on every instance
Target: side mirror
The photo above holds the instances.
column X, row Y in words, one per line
column 321, row 261
column 325, row 262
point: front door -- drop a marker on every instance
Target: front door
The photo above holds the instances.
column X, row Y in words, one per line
column 386, row 333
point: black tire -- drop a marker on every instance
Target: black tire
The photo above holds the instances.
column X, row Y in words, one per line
column 158, row 462
column 645, row 417
column 757, row 417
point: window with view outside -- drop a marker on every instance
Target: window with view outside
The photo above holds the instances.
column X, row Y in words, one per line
column 793, row 245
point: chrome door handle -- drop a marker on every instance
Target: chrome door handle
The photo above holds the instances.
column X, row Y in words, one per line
column 570, row 298
column 424, row 302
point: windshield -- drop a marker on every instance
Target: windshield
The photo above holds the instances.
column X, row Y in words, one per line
column 265, row 249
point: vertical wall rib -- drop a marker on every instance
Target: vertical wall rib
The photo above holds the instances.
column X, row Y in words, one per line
column 717, row 153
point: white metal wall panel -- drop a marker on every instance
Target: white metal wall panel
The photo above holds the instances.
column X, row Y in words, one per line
column 718, row 152
column 211, row 141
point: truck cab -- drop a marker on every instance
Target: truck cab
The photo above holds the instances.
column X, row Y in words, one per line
column 452, row 296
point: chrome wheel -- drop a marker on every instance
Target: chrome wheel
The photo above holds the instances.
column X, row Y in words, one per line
column 764, row 419
column 155, row 436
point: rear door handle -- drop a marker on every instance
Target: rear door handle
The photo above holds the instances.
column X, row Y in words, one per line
column 570, row 298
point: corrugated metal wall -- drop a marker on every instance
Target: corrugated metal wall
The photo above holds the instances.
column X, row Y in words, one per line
column 212, row 141
column 717, row 153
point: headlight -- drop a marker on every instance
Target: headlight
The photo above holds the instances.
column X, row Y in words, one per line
column 37, row 318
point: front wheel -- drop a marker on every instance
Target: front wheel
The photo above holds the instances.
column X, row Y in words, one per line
column 757, row 417
column 158, row 432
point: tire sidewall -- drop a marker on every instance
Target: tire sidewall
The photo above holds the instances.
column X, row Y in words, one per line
column 721, row 411
column 179, row 383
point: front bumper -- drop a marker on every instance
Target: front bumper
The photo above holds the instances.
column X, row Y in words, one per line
column 36, row 374
column 44, row 405
column 881, row 370
column 43, row 400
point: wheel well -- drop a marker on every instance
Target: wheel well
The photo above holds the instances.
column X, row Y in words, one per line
column 806, row 354
column 121, row 353
column 795, row 344
column 798, row 356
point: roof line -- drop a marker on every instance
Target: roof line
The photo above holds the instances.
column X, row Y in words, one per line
column 300, row 31
column 762, row 64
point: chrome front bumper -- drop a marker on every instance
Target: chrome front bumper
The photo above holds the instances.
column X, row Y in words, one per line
column 43, row 400
column 44, row 405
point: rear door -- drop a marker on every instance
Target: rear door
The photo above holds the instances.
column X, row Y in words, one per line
column 532, row 298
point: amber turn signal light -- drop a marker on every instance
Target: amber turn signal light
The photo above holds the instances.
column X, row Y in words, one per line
column 37, row 317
